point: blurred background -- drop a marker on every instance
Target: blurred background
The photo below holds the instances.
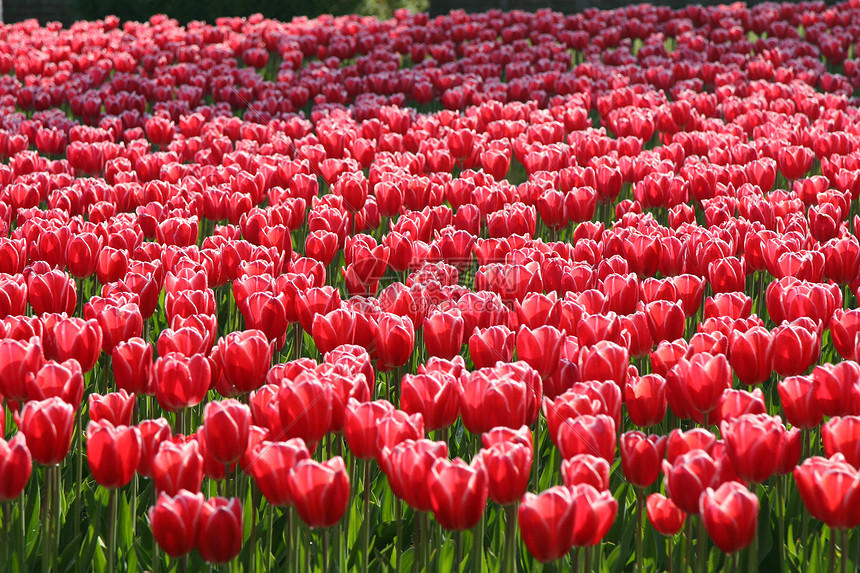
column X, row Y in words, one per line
column 67, row 11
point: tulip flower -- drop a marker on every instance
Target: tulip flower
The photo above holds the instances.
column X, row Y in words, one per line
column 48, row 426
column 271, row 465
column 225, row 430
column 730, row 515
column 458, row 492
column 176, row 521
column 219, row 530
column 666, row 517
column 320, row 492
column 16, row 464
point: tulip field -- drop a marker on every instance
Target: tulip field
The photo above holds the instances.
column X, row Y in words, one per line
column 484, row 292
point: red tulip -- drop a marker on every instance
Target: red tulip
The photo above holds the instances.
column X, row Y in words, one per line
column 116, row 408
column 436, row 396
column 51, row 292
column 78, row 339
column 320, row 491
column 303, row 409
column 443, row 333
column 830, row 490
column 177, row 467
column 245, row 358
column 395, row 427
column 175, row 522
column 585, row 469
column 593, row 435
column 48, row 426
column 687, row 477
column 16, row 464
column 540, row 348
column 226, row 425
column 152, row 433
column 645, row 398
column 751, row 441
column 546, row 521
column 132, row 366
column 271, row 467
column 641, row 457
column 594, row 512
column 795, row 348
column 408, row 466
column 220, row 532
column 798, row 398
column 508, row 468
column 490, row 345
column 113, row 453
column 181, row 381
column 361, row 426
column 666, row 517
column 17, row 360
column 62, row 380
column 842, row 435
column 750, row 355
column 119, row 324
column 396, row 340
column 500, row 396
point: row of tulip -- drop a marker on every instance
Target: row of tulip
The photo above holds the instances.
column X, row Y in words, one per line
column 343, row 294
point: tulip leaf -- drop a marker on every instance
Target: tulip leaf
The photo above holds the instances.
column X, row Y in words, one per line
column 618, row 557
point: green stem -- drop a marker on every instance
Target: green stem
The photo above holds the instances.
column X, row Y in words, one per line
column 325, row 557
column 419, row 544
column 458, row 549
column 398, row 543
column 537, row 450
column 831, row 562
column 44, row 517
column 844, row 557
column 79, row 471
column 112, row 509
column 780, row 496
column 269, row 527
column 688, row 551
column 365, row 522
column 701, row 546
column 752, row 563
column 510, row 551
column 425, row 538
column 639, row 526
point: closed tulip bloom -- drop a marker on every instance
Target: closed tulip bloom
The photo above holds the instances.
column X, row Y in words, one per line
column 177, row 467
column 62, row 380
column 408, row 466
column 436, row 396
column 686, row 478
column 799, row 404
column 790, row 450
column 225, row 428
column 751, row 441
column 52, row 292
column 830, row 490
column 540, row 348
column 546, row 521
column 16, row 464
column 681, row 442
column 443, row 333
column 361, row 426
column 113, row 453
column 119, row 324
column 304, row 409
column 750, row 355
column 458, row 492
column 490, row 345
column 664, row 516
column 116, row 408
column 48, row 426
column 736, row 403
column 833, row 385
column 396, row 340
column 152, row 433
column 593, row 435
column 795, row 349
column 645, row 398
column 841, row 435
column 132, row 366
column 585, row 468
column 501, row 435
column 175, row 522
column 245, row 359
column 219, row 531
column 641, row 457
column 505, row 395
column 508, row 470
column 18, row 359
column 181, row 381
column 730, row 515
column 320, row 491
column 395, row 427
column 594, row 512
column 271, row 465
column 604, row 360
column 79, row 339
